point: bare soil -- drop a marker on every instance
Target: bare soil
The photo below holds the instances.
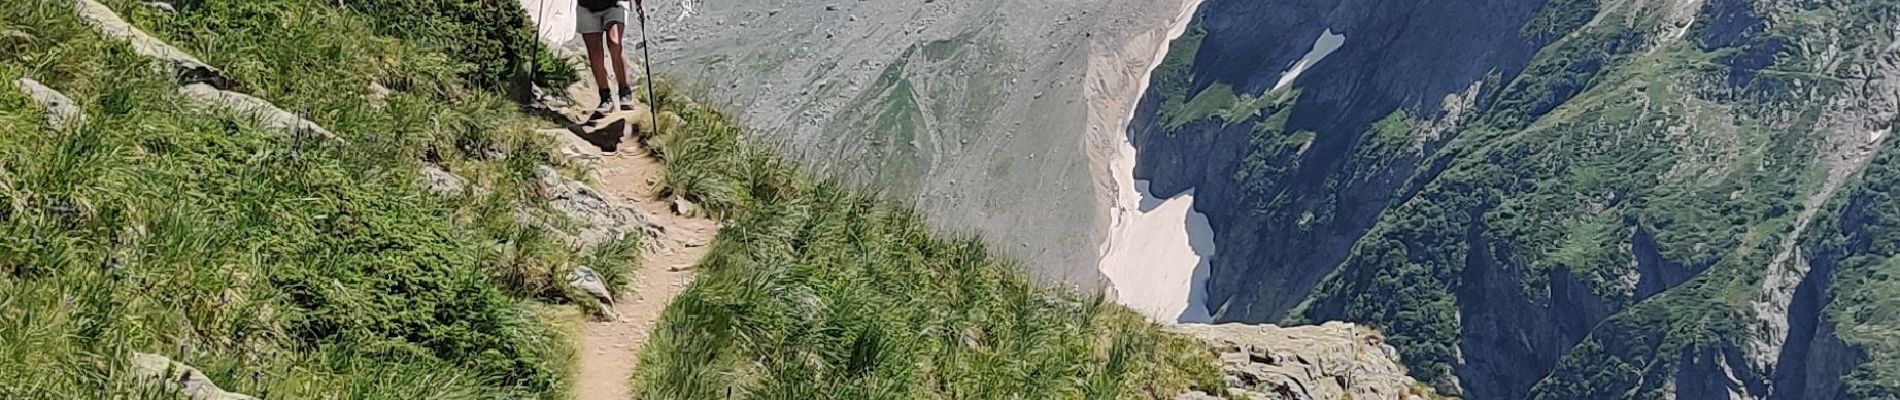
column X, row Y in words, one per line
column 630, row 176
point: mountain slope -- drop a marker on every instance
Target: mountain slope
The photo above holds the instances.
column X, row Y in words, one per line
column 812, row 290
column 1571, row 199
column 346, row 208
column 975, row 111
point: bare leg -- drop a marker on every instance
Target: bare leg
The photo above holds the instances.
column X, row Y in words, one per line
column 615, row 33
column 594, row 61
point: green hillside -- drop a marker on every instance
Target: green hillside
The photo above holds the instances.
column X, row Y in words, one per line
column 814, row 290
column 1565, row 199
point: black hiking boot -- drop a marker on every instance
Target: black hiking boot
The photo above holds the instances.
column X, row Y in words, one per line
column 626, row 99
column 606, row 107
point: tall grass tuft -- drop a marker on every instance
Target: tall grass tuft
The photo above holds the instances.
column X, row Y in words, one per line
column 816, row 290
column 283, row 268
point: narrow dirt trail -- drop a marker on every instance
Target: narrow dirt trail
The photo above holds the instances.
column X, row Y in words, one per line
column 610, row 350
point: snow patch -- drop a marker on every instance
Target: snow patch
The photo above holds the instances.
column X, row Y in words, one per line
column 1877, row 135
column 1327, row 43
column 1157, row 253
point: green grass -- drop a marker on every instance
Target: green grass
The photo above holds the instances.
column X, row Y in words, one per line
column 1606, row 133
column 814, row 290
column 1206, row 104
column 1175, row 75
column 285, row 268
column 289, row 268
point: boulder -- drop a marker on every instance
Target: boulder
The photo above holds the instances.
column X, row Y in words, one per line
column 272, row 117
column 440, row 181
column 178, row 377
column 587, row 281
column 187, row 69
column 61, row 112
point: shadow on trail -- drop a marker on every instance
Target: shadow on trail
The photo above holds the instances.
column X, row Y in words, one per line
column 607, row 133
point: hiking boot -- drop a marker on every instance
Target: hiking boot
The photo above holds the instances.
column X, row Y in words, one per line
column 626, row 100
column 606, row 107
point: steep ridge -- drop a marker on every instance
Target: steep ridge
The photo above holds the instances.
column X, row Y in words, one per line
column 1571, row 199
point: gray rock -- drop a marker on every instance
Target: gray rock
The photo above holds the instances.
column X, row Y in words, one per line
column 378, row 94
column 440, row 181
column 1196, row 396
column 603, row 220
column 1332, row 361
column 186, row 68
column 61, row 112
column 13, row 37
column 181, row 378
column 160, row 6
column 586, row 280
column 272, row 117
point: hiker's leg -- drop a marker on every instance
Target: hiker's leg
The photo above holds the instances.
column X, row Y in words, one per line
column 594, row 61
column 615, row 33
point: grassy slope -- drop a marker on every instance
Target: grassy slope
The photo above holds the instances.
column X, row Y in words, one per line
column 816, row 291
column 284, row 268
column 301, row 270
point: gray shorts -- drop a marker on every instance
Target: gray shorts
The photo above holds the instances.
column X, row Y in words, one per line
column 588, row 21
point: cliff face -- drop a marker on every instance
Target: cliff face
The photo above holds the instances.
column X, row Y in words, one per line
column 1562, row 199
column 1327, row 194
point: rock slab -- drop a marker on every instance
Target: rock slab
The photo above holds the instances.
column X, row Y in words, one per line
column 1336, row 360
column 180, row 378
column 186, row 68
column 61, row 112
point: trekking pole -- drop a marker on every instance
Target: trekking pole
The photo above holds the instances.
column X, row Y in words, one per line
column 646, row 61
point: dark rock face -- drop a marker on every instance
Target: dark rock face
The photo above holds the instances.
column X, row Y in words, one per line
column 1397, row 54
column 1544, row 234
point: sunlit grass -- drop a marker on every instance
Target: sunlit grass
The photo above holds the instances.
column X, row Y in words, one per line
column 815, row 290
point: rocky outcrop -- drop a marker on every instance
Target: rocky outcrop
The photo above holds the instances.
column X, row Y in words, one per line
column 439, row 181
column 1336, row 360
column 61, row 112
column 177, row 377
column 268, row 114
column 197, row 81
column 187, row 69
column 602, row 219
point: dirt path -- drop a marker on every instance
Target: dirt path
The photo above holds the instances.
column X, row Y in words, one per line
column 610, row 350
